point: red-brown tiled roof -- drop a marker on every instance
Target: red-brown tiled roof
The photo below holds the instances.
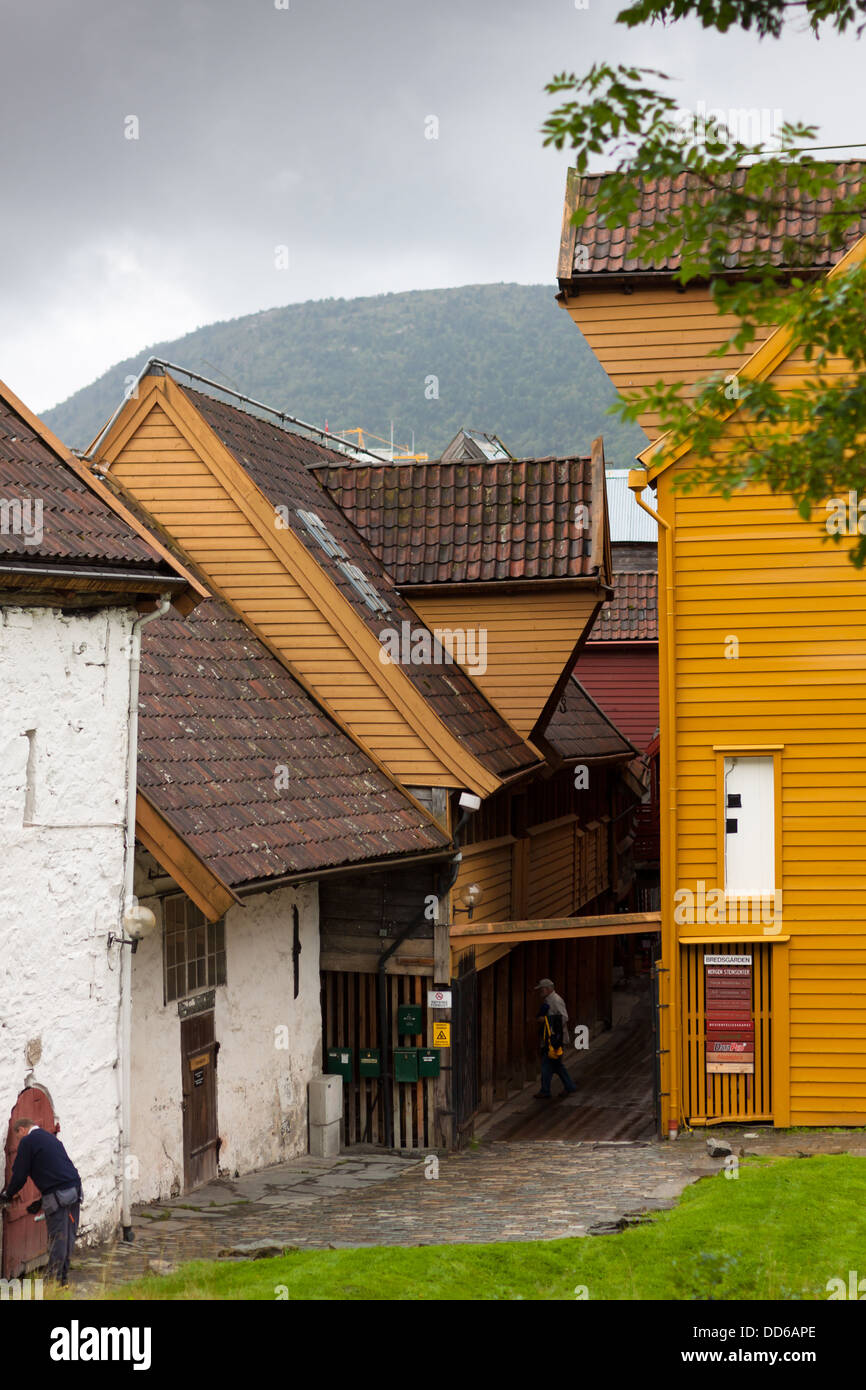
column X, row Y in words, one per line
column 470, row 522
column 218, row 716
column 281, row 464
column 632, row 614
column 579, row 729
column 77, row 526
column 601, row 250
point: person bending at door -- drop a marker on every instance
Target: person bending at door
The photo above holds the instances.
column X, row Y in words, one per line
column 42, row 1158
column 552, row 1033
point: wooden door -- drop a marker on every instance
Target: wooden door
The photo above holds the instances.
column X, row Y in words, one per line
column 25, row 1242
column 198, row 1052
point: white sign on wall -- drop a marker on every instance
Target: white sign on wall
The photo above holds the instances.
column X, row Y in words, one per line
column 438, row 999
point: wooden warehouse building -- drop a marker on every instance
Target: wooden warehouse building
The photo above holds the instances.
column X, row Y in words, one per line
column 762, row 625
column 440, row 637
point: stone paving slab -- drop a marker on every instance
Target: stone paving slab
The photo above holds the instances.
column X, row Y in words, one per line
column 498, row 1191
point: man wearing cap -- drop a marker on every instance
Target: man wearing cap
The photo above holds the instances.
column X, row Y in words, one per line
column 553, row 1032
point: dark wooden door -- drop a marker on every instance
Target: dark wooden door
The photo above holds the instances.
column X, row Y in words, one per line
column 25, row 1243
column 198, row 1052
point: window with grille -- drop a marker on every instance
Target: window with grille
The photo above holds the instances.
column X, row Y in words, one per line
column 194, row 949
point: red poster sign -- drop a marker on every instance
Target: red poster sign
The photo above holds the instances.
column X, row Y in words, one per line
column 730, row 1025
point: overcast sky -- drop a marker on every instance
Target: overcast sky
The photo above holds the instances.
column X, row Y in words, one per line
column 262, row 127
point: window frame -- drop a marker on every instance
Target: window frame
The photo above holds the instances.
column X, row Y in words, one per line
column 210, row 962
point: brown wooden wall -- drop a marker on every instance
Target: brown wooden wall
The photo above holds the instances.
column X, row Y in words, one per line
column 359, row 915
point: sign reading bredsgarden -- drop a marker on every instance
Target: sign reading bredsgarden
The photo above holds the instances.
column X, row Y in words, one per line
column 730, row 1025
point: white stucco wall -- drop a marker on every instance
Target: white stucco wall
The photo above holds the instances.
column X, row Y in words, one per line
column 61, row 878
column 261, row 1089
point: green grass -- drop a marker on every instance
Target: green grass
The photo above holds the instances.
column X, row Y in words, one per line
column 778, row 1231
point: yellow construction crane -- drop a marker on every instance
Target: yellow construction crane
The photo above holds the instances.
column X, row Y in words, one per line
column 397, row 456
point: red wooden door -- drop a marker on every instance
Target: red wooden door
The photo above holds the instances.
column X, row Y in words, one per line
column 25, row 1243
column 200, row 1134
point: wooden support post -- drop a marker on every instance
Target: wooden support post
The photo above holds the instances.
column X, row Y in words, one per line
column 502, row 991
column 604, row 976
column 518, row 1016
column 352, row 1135
column 441, row 1126
column 487, row 1019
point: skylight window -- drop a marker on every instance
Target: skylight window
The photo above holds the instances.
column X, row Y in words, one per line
column 319, row 531
column 361, row 583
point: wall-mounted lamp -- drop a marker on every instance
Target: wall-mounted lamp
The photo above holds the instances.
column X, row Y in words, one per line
column 137, row 921
column 470, row 896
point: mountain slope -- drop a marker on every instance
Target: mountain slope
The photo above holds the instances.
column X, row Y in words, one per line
column 505, row 358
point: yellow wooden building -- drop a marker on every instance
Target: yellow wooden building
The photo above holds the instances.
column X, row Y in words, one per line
column 762, row 625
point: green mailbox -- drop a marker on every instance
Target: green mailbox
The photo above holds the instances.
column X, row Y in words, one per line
column 409, row 1019
column 369, row 1062
column 405, row 1064
column 428, row 1061
column 340, row 1062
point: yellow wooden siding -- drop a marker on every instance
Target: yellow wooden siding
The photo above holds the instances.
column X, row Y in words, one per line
column 751, row 569
column 164, row 471
column 655, row 333
column 530, row 639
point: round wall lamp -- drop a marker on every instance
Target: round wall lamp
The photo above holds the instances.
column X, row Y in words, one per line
column 137, row 921
column 470, row 896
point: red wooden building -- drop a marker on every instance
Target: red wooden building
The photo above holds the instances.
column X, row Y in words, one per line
column 619, row 666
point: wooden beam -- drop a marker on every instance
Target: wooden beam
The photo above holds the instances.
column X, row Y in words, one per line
column 171, row 852
column 367, row 963
column 466, row 934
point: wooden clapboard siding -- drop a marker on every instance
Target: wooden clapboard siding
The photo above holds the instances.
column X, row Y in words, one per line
column 625, row 682
column 559, row 867
column 551, row 871
column 490, row 866
column 753, row 570
column 655, row 333
column 161, row 451
column 530, row 639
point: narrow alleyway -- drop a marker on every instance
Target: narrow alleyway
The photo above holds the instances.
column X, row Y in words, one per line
column 614, row 1099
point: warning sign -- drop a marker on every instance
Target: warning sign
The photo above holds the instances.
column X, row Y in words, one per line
column 441, row 1034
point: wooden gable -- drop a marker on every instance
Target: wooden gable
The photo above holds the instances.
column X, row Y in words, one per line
column 162, row 451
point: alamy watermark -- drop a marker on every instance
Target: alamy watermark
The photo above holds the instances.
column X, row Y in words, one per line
column 22, row 516
column 20, row 1290
column 714, row 907
column 418, row 646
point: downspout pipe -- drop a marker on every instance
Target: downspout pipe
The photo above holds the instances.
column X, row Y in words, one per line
column 128, row 897
column 381, row 984
column 637, row 481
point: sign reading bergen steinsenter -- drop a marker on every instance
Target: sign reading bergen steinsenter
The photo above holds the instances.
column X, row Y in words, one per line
column 729, row 1021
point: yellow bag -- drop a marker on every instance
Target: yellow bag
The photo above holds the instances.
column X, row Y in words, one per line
column 551, row 1050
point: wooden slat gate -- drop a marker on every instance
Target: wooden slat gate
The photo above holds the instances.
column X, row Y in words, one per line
column 464, row 1016
column 350, row 1018
column 709, row 1098
column 658, row 1034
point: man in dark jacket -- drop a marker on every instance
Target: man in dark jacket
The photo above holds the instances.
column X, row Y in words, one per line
column 552, row 1033
column 42, row 1158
